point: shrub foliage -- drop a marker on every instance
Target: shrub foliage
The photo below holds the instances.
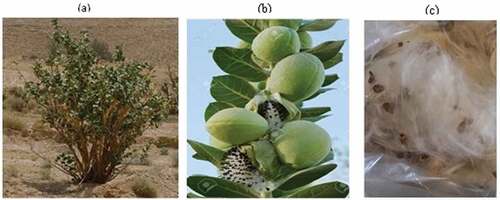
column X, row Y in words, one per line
column 98, row 108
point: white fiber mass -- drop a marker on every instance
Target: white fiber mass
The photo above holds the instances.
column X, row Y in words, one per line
column 430, row 91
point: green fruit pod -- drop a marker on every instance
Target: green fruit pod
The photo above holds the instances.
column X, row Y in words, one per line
column 302, row 144
column 275, row 43
column 305, row 40
column 290, row 23
column 297, row 77
column 218, row 144
column 236, row 126
column 243, row 45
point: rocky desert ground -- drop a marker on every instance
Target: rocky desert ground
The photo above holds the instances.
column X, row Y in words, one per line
column 26, row 139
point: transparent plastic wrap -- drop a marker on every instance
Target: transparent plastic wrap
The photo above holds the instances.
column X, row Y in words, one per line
column 430, row 108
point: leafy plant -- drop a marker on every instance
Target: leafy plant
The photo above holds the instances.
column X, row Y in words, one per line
column 17, row 100
column 166, row 142
column 101, row 49
column 270, row 74
column 11, row 121
column 142, row 187
column 138, row 156
column 97, row 108
column 171, row 91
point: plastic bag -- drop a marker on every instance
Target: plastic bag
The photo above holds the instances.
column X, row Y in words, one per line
column 430, row 108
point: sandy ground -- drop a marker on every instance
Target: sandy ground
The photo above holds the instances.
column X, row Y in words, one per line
column 26, row 174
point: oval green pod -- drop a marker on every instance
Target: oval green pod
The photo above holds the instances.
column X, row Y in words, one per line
column 305, row 40
column 236, row 126
column 275, row 43
column 219, row 144
column 243, row 45
column 302, row 144
column 297, row 77
column 290, row 23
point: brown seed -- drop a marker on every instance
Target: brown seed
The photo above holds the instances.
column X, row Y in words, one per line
column 400, row 44
column 423, row 157
column 403, row 139
column 378, row 88
column 463, row 125
column 388, row 107
column 371, row 77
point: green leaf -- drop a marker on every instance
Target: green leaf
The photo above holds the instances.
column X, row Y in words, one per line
column 279, row 193
column 329, row 79
column 238, row 62
column 326, row 190
column 317, row 25
column 314, row 111
column 232, row 90
column 327, row 50
column 266, row 157
column 320, row 91
column 246, row 29
column 299, row 104
column 316, row 118
column 206, row 152
column 193, row 195
column 198, row 156
column 217, row 187
column 333, row 61
column 306, row 176
column 284, row 171
column 215, row 107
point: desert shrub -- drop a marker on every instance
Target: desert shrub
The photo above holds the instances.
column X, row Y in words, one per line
column 19, row 105
column 138, row 156
column 171, row 91
column 17, row 100
column 42, row 130
column 143, row 188
column 97, row 109
column 17, row 92
column 13, row 122
column 166, row 142
column 16, row 104
column 101, row 49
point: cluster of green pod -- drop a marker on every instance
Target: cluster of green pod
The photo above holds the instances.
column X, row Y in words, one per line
column 294, row 75
column 263, row 141
column 299, row 143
